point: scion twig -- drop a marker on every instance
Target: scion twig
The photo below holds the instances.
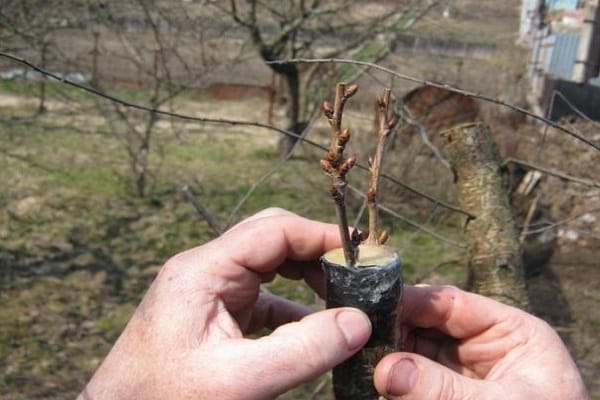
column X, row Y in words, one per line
column 336, row 165
column 386, row 122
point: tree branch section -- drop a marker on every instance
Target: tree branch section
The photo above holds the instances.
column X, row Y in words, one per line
column 386, row 122
column 495, row 263
column 336, row 165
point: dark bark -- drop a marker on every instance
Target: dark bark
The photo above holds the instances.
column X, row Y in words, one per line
column 43, row 63
column 291, row 75
column 495, row 262
column 292, row 79
column 373, row 285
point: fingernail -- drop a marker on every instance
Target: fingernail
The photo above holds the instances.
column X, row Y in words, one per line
column 402, row 377
column 355, row 327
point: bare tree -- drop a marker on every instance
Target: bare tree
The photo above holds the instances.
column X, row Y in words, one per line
column 154, row 52
column 29, row 27
column 318, row 28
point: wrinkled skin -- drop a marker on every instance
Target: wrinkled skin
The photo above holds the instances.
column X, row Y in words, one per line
column 187, row 339
column 465, row 346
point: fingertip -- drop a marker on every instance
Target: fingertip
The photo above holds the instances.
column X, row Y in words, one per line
column 396, row 375
column 355, row 327
column 299, row 351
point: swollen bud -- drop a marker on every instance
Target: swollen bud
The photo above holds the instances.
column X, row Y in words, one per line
column 347, row 165
column 381, row 103
column 326, row 166
column 393, row 121
column 371, row 195
column 327, row 109
column 344, row 137
column 383, row 237
column 351, row 90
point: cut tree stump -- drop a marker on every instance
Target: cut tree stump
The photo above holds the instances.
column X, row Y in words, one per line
column 495, row 262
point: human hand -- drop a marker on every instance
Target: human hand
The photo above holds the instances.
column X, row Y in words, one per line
column 471, row 347
column 186, row 339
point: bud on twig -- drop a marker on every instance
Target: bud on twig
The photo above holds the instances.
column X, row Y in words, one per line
column 392, row 122
column 347, row 165
column 326, row 166
column 327, row 109
column 371, row 194
column 351, row 90
column 344, row 137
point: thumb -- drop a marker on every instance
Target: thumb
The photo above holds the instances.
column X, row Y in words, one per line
column 298, row 352
column 410, row 376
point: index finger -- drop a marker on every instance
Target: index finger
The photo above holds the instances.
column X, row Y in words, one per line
column 228, row 270
column 263, row 242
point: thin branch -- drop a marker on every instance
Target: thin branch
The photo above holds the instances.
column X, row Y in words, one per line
column 434, row 200
column 410, row 222
column 319, row 388
column 561, row 222
column 553, row 172
column 386, row 123
column 425, row 139
column 202, row 210
column 529, row 216
column 574, row 108
column 29, row 161
column 446, row 87
column 266, row 176
column 337, row 166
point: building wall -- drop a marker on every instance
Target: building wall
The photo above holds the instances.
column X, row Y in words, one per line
column 565, row 55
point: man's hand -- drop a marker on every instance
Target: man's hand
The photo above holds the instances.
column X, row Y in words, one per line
column 186, row 339
column 471, row 347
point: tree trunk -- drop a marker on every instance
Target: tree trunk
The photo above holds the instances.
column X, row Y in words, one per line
column 42, row 93
column 495, row 262
column 292, row 79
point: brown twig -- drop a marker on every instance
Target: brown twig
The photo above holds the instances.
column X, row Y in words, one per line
column 529, row 216
column 202, row 210
column 319, row 388
column 386, row 124
column 336, row 165
column 553, row 172
column 421, row 227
